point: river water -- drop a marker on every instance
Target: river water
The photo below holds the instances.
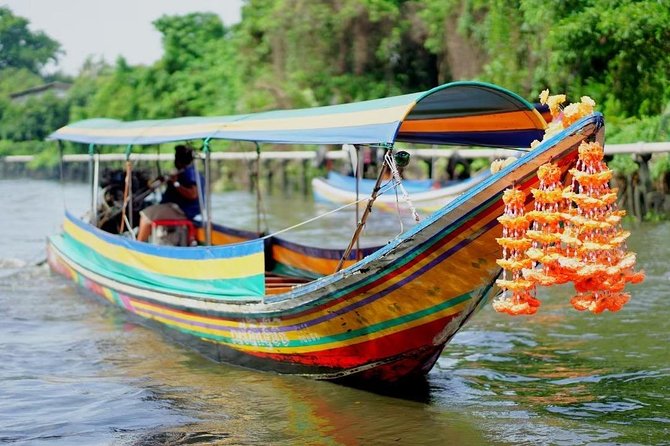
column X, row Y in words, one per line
column 76, row 372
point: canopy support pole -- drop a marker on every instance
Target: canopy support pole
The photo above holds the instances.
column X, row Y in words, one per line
column 93, row 171
column 366, row 213
column 208, row 192
column 128, row 195
column 358, row 182
column 258, row 188
column 61, row 167
column 61, row 171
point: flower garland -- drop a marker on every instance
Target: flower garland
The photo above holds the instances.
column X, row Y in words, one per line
column 573, row 234
column 518, row 295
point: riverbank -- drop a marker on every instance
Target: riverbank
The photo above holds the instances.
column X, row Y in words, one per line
column 642, row 170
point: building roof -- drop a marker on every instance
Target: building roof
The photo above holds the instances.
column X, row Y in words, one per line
column 60, row 86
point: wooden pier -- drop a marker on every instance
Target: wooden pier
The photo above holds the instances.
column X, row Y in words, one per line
column 294, row 169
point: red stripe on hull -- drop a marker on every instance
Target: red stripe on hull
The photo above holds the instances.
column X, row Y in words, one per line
column 412, row 342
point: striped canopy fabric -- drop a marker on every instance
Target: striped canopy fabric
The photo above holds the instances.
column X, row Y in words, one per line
column 216, row 272
column 469, row 113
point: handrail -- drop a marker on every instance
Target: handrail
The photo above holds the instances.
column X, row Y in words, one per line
column 610, row 149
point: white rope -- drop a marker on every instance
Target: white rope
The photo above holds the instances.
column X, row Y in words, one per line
column 395, row 184
column 398, row 181
column 397, row 207
column 130, row 230
column 387, row 187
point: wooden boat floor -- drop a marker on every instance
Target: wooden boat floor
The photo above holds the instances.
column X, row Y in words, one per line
column 277, row 284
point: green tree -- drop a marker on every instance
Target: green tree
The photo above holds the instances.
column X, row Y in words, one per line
column 34, row 119
column 300, row 53
column 616, row 50
column 22, row 48
column 13, row 80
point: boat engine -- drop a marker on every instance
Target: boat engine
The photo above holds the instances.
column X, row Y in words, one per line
column 113, row 183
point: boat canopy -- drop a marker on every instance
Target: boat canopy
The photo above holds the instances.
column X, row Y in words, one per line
column 464, row 113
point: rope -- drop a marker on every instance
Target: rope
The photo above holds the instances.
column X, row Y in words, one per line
column 381, row 191
column 398, row 179
column 397, row 207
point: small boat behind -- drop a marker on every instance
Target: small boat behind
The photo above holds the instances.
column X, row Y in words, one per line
column 424, row 194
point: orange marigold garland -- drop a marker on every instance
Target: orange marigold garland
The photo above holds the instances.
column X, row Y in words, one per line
column 596, row 258
column 563, row 117
column 548, row 218
column 573, row 234
column 518, row 295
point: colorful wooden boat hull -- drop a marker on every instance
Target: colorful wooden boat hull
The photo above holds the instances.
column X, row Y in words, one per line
column 383, row 319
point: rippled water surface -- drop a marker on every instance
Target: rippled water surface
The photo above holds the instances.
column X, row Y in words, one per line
column 76, row 372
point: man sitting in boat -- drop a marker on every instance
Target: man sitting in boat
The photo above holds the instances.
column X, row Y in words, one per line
column 181, row 198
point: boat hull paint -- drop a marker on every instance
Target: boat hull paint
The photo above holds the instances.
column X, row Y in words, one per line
column 413, row 351
column 384, row 319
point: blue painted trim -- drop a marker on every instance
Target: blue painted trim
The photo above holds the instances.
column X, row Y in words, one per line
column 176, row 252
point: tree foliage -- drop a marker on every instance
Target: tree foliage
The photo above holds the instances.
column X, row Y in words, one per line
column 299, row 53
column 21, row 48
column 619, row 49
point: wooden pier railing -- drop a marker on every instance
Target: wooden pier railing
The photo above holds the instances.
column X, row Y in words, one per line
column 637, row 194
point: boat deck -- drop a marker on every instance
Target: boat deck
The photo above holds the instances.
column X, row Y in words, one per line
column 277, row 284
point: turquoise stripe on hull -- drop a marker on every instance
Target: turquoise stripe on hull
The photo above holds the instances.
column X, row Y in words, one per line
column 89, row 259
column 171, row 252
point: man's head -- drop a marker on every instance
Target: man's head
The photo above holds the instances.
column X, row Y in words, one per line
column 183, row 156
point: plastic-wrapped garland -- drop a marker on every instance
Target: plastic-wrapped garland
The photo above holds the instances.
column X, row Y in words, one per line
column 518, row 295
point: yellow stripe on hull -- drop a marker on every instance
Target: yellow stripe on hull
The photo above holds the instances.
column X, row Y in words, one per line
column 233, row 268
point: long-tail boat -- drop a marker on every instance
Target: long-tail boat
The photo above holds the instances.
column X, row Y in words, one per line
column 274, row 305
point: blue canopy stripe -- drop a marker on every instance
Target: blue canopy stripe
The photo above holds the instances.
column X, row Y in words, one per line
column 486, row 114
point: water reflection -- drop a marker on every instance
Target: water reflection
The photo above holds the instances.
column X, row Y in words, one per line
column 240, row 406
column 73, row 371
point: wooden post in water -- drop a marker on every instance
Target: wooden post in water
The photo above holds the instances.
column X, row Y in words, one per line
column 305, row 182
column 284, row 178
column 429, row 165
column 270, row 172
column 630, row 206
column 644, row 184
